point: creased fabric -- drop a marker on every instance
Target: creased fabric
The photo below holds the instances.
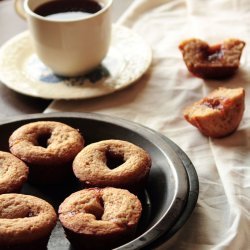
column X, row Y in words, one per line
column 221, row 219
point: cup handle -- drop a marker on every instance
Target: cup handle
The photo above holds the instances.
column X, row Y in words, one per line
column 19, row 8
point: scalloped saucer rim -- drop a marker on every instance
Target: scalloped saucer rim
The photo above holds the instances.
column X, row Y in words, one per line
column 129, row 57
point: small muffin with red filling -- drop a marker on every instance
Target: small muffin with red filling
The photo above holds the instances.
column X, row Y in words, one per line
column 219, row 114
column 212, row 62
column 100, row 218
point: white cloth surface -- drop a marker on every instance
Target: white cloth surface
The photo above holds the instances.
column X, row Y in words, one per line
column 221, row 219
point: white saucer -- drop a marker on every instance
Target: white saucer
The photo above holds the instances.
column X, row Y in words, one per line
column 21, row 70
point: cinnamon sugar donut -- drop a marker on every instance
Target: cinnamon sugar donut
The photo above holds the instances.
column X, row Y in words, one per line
column 13, row 173
column 26, row 222
column 113, row 163
column 48, row 148
column 100, row 218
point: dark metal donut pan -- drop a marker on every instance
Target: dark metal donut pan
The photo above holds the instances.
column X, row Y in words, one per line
column 171, row 192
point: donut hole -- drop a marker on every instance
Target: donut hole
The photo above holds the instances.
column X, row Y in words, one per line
column 114, row 160
column 43, row 139
column 96, row 208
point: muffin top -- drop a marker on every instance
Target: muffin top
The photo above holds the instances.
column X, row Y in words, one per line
column 100, row 211
column 111, row 163
column 13, row 173
column 24, row 218
column 46, row 142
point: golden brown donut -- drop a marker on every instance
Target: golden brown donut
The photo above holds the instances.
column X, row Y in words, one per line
column 26, row 222
column 114, row 163
column 48, row 148
column 218, row 114
column 13, row 173
column 212, row 62
column 100, row 218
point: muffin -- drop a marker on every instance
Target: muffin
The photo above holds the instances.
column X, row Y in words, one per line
column 112, row 163
column 100, row 218
column 219, row 114
column 48, row 148
column 13, row 173
column 26, row 222
column 212, row 62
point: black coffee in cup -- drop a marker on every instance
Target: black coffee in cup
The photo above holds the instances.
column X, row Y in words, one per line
column 68, row 9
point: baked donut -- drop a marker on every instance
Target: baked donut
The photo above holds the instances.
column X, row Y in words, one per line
column 26, row 222
column 100, row 218
column 218, row 114
column 13, row 173
column 113, row 163
column 48, row 148
column 212, row 62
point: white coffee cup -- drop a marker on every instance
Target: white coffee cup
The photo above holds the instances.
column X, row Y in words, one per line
column 69, row 47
